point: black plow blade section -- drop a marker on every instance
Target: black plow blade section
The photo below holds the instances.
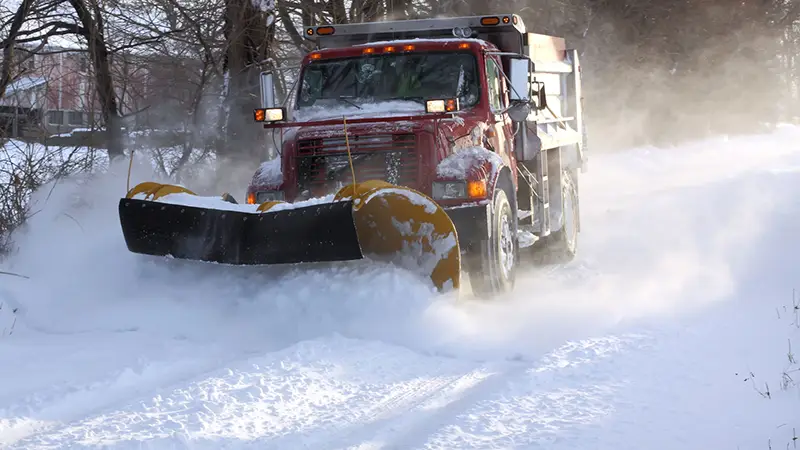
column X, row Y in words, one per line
column 316, row 233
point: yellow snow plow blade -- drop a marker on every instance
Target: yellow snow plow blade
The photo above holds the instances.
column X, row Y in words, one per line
column 153, row 190
column 406, row 227
column 373, row 219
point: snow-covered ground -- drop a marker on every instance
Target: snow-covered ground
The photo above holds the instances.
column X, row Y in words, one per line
column 665, row 333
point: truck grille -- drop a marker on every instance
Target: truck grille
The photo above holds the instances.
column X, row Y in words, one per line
column 323, row 166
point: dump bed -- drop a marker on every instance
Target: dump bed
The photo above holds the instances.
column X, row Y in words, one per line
column 541, row 47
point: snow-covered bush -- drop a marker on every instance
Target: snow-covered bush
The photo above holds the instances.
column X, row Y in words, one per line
column 25, row 167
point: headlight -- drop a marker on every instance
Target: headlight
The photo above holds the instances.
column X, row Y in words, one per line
column 442, row 105
column 444, row 190
column 269, row 114
column 449, row 190
column 269, row 196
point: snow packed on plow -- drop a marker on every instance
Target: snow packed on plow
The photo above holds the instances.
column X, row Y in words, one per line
column 669, row 323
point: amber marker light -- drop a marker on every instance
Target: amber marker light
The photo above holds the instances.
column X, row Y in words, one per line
column 476, row 189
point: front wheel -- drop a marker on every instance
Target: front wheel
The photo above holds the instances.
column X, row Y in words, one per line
column 492, row 268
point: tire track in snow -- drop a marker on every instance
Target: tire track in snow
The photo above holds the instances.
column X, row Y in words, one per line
column 527, row 404
column 47, row 411
column 413, row 427
column 327, row 393
column 384, row 413
column 292, row 386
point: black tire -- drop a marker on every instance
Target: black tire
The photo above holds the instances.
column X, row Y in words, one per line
column 561, row 246
column 492, row 266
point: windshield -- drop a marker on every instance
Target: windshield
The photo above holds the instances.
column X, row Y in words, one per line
column 410, row 76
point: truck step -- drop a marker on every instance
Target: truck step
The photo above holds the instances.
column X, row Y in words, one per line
column 526, row 238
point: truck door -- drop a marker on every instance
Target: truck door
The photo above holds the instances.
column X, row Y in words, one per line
column 502, row 127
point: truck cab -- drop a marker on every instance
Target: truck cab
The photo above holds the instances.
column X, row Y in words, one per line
column 476, row 113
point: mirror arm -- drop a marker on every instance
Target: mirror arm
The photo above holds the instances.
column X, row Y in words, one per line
column 514, row 104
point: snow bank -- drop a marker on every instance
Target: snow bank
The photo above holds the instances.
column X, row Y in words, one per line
column 20, row 158
column 457, row 165
column 685, row 272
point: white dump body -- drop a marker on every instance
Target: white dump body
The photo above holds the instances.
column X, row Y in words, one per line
column 561, row 123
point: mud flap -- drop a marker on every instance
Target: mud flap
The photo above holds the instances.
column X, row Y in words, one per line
column 318, row 233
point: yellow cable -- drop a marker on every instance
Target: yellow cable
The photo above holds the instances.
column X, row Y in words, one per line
column 130, row 165
column 349, row 157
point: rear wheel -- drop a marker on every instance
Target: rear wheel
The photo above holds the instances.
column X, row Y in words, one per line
column 492, row 268
column 561, row 246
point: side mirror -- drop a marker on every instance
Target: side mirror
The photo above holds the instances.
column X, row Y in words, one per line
column 520, row 69
column 541, row 95
column 519, row 112
column 267, row 90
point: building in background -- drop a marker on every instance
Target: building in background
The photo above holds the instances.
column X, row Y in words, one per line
column 54, row 92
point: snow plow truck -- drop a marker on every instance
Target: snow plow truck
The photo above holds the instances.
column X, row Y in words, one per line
column 447, row 146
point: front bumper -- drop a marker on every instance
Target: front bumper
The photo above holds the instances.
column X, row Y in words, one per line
column 472, row 225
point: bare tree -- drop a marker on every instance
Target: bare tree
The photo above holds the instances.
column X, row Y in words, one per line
column 8, row 43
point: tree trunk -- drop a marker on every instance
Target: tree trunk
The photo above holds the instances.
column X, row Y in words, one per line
column 249, row 33
column 101, row 60
column 8, row 45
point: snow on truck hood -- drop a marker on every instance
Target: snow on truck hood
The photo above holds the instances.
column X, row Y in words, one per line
column 269, row 173
column 394, row 108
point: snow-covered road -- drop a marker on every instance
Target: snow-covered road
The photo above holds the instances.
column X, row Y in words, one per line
column 671, row 330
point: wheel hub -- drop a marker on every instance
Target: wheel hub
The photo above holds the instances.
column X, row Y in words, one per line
column 506, row 246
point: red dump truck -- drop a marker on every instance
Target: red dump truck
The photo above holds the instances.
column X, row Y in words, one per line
column 443, row 146
column 477, row 113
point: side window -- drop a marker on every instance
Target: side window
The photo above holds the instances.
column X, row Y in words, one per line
column 495, row 91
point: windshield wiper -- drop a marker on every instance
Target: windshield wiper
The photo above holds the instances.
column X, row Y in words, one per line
column 346, row 100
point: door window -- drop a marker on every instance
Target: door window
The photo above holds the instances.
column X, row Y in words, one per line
column 494, row 80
